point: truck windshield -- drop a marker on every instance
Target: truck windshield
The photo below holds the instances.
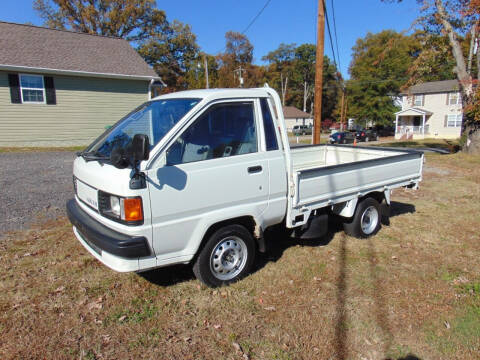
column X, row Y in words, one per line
column 154, row 118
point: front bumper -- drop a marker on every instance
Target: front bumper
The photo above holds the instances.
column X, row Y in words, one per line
column 100, row 238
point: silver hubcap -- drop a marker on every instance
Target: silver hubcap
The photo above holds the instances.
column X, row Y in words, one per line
column 228, row 258
column 369, row 220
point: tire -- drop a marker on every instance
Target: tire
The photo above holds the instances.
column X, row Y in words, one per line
column 377, row 138
column 367, row 139
column 228, row 256
column 344, row 141
column 366, row 221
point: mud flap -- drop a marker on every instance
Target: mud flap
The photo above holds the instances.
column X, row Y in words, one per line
column 314, row 228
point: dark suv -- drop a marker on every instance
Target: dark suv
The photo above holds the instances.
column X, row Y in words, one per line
column 366, row 135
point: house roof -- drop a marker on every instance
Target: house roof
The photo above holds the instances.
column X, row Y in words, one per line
column 29, row 48
column 414, row 111
column 291, row 112
column 433, row 87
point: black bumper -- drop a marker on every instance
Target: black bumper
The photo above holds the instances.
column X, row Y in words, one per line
column 100, row 237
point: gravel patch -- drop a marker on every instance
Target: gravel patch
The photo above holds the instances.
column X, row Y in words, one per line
column 34, row 186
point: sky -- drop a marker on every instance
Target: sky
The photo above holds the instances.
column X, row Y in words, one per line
column 282, row 21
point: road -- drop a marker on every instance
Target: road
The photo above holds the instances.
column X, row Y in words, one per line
column 34, row 186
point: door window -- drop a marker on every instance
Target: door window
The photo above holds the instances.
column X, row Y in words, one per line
column 223, row 130
column 269, row 127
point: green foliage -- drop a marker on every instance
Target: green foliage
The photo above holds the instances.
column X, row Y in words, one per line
column 171, row 53
column 378, row 70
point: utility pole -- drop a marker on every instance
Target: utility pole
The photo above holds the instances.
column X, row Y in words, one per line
column 319, row 73
column 240, row 71
column 206, row 70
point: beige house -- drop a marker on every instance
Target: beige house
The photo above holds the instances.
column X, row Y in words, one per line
column 430, row 110
column 294, row 116
column 62, row 88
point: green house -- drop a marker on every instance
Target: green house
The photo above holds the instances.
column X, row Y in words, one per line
column 60, row 88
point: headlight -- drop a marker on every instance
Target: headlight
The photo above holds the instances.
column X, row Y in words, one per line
column 122, row 209
column 115, row 206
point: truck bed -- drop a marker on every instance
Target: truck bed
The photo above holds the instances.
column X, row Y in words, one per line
column 325, row 175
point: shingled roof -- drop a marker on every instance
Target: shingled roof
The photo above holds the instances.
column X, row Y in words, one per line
column 434, row 87
column 58, row 51
column 291, row 112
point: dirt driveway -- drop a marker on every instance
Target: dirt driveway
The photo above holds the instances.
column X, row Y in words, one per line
column 34, row 186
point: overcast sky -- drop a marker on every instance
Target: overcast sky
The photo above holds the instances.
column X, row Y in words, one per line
column 287, row 21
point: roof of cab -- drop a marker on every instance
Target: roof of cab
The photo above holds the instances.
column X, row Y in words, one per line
column 212, row 94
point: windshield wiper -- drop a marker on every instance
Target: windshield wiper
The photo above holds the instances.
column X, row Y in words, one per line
column 93, row 156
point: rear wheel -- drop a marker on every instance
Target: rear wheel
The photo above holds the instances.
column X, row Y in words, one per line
column 227, row 256
column 366, row 221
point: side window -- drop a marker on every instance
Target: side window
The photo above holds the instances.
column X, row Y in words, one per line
column 269, row 127
column 223, row 130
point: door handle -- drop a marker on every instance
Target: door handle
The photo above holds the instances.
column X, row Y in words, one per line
column 254, row 169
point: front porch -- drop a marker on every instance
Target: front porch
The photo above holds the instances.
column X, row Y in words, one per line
column 412, row 124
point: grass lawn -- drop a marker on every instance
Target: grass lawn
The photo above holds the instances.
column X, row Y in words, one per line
column 413, row 289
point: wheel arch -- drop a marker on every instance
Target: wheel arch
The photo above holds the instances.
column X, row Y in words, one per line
column 247, row 221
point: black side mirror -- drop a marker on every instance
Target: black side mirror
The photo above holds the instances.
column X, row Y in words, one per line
column 140, row 147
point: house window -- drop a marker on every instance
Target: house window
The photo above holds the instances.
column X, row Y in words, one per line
column 453, row 98
column 32, row 89
column 454, row 120
column 418, row 100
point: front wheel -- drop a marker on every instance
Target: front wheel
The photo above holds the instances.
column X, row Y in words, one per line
column 366, row 221
column 228, row 256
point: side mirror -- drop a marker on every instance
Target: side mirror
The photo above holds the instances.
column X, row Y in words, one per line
column 140, row 147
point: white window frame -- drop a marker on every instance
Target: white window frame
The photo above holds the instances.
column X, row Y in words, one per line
column 29, row 88
column 458, row 99
column 456, row 119
column 415, row 97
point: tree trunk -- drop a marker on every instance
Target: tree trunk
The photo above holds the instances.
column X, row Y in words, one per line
column 304, row 96
column 472, row 45
column 471, row 131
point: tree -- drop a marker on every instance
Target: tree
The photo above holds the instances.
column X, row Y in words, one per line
column 280, row 61
column 133, row 20
column 238, row 53
column 455, row 19
column 305, row 57
column 378, row 70
column 171, row 53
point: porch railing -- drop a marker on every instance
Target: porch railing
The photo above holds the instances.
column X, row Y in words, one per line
column 408, row 129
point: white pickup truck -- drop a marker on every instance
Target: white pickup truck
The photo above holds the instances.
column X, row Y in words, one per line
column 199, row 176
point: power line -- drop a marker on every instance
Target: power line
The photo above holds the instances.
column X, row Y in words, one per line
column 256, row 16
column 330, row 35
column 335, row 32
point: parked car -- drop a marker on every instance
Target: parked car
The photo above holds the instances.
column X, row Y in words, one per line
column 385, row 130
column 342, row 137
column 366, row 135
column 198, row 177
column 302, row 130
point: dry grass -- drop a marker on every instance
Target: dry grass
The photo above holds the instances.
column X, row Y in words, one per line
column 412, row 289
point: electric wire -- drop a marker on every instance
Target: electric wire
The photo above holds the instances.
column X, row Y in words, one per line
column 335, row 33
column 330, row 34
column 256, row 16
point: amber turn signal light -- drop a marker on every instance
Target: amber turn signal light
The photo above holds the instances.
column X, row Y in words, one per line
column 132, row 208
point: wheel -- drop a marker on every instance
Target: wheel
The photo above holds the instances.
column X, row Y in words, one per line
column 303, row 133
column 377, row 138
column 228, row 255
column 367, row 139
column 344, row 141
column 366, row 220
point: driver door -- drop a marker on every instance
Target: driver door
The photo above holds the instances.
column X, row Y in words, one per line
column 213, row 171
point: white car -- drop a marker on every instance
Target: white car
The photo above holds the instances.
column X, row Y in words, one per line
column 198, row 176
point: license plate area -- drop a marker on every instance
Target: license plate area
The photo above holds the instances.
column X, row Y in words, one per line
column 87, row 194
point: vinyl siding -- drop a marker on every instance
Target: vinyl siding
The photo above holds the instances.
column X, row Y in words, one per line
column 85, row 106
